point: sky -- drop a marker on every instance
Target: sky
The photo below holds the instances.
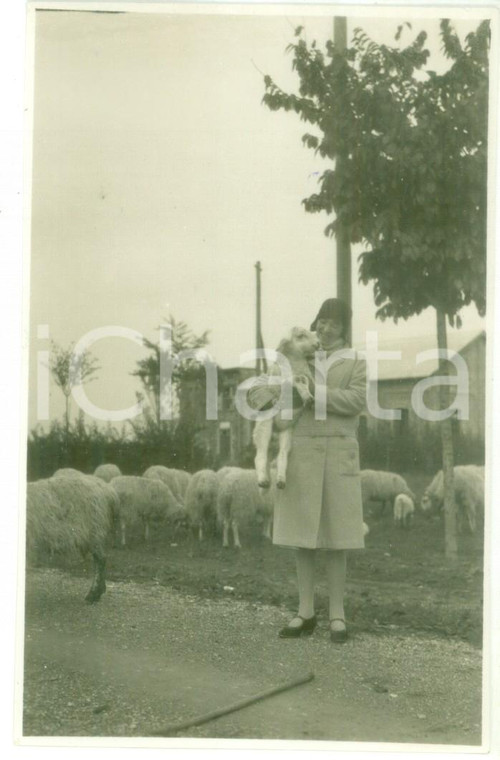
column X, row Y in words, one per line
column 159, row 179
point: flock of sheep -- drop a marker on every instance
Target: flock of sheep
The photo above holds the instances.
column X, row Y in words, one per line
column 72, row 510
column 75, row 511
column 387, row 488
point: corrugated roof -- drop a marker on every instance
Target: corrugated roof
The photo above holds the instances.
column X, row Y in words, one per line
column 410, row 347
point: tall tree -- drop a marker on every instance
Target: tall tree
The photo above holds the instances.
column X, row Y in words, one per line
column 413, row 181
column 67, row 370
column 148, row 369
column 185, row 398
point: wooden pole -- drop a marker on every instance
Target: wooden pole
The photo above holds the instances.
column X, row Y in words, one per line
column 343, row 244
column 174, row 728
column 258, row 331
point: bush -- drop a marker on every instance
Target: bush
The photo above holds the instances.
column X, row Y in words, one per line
column 84, row 447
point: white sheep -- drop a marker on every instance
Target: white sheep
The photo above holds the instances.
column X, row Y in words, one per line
column 240, row 499
column 404, row 510
column 221, row 474
column 145, row 499
column 468, row 488
column 107, row 472
column 382, row 487
column 176, row 480
column 67, row 472
column 167, row 476
column 298, row 348
column 64, row 514
column 183, row 480
column 200, row 500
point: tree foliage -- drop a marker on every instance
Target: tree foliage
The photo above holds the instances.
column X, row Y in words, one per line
column 413, row 182
column 148, row 369
column 69, row 369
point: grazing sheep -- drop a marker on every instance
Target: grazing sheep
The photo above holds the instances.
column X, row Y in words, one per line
column 167, row 476
column 239, row 499
column 99, row 483
column 200, row 500
column 468, row 487
column 221, row 474
column 404, row 510
column 145, row 499
column 176, row 480
column 107, row 472
column 68, row 513
column 382, row 487
column 300, row 346
column 183, row 479
column 67, row 472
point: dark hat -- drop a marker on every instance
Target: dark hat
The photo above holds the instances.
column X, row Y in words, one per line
column 334, row 308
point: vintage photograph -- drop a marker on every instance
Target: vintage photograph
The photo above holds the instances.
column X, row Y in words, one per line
column 259, row 403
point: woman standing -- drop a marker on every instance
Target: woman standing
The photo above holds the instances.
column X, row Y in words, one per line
column 321, row 508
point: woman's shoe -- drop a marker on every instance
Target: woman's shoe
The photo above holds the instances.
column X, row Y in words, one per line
column 294, row 631
column 338, row 636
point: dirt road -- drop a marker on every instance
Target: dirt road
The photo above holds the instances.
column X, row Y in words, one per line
column 147, row 656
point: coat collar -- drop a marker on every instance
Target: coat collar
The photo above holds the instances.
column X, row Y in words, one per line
column 340, row 346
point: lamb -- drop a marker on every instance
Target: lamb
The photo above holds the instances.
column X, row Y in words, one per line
column 145, row 499
column 107, row 472
column 68, row 513
column 404, row 510
column 240, row 498
column 200, row 500
column 300, row 346
column 468, row 486
column 383, row 487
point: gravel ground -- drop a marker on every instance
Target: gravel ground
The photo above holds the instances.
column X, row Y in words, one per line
column 146, row 657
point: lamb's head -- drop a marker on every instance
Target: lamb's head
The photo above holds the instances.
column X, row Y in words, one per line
column 301, row 343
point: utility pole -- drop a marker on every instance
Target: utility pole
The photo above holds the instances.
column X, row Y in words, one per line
column 258, row 327
column 343, row 244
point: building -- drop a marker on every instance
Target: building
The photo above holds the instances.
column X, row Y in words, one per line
column 397, row 384
column 228, row 439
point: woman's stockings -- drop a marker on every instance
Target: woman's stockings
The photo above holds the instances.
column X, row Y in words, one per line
column 336, row 574
column 304, row 559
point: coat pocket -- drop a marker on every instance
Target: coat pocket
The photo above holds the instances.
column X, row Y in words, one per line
column 349, row 461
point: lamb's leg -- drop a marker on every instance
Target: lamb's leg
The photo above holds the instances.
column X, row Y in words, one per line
column 98, row 586
column 236, row 536
column 225, row 533
column 285, row 446
column 200, row 533
column 261, row 437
